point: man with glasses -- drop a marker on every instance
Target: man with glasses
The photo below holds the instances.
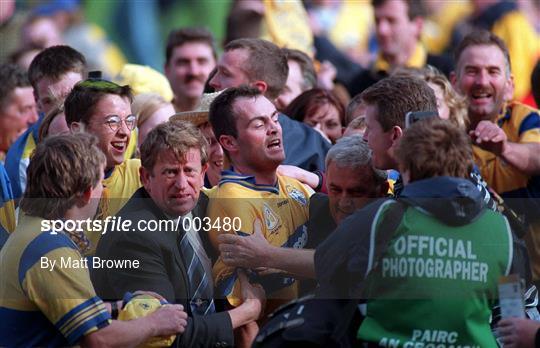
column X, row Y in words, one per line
column 103, row 108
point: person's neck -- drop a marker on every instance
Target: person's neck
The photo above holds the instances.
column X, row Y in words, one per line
column 401, row 59
column 261, row 177
column 183, row 103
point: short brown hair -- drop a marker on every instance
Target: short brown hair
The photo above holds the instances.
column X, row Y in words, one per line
column 266, row 62
column 415, row 8
column 54, row 62
column 396, row 96
column 306, row 66
column 483, row 38
column 456, row 103
column 177, row 136
column 222, row 114
column 61, row 169
column 85, row 95
column 182, row 36
column 435, row 147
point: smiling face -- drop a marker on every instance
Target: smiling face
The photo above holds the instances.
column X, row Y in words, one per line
column 230, row 72
column 483, row 78
column 188, row 68
column 113, row 143
column 259, row 144
column 173, row 184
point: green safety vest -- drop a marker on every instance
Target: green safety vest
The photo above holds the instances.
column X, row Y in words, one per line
column 435, row 285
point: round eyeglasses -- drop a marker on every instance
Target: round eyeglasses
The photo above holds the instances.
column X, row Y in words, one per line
column 115, row 122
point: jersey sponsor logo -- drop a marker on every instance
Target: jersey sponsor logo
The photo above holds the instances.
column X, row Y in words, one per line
column 271, row 220
column 296, row 194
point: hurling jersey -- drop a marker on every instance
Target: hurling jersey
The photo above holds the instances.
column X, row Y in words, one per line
column 7, row 207
column 283, row 210
column 46, row 296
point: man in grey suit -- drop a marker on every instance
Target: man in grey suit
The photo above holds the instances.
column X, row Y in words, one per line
column 162, row 236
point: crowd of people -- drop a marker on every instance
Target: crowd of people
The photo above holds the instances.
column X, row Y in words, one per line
column 288, row 189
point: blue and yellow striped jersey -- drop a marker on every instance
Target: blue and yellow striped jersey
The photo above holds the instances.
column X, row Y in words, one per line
column 283, row 210
column 7, row 207
column 41, row 304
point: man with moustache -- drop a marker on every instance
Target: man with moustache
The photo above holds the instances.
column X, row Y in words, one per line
column 190, row 56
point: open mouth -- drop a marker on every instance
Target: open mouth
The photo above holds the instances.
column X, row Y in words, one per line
column 218, row 163
column 274, row 144
column 119, row 145
column 481, row 95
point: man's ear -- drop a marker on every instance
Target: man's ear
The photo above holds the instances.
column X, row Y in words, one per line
column 85, row 197
column 228, row 142
column 418, row 23
column 397, row 133
column 76, row 127
column 509, row 88
column 260, row 85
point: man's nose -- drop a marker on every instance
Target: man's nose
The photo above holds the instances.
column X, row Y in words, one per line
column 180, row 182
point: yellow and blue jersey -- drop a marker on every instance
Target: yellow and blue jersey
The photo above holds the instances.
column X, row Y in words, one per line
column 42, row 305
column 521, row 124
column 18, row 156
column 283, row 210
column 7, row 207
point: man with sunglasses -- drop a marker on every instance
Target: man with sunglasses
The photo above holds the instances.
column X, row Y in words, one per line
column 103, row 108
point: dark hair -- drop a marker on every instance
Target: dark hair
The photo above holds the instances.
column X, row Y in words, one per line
column 177, row 136
column 266, row 62
column 222, row 114
column 54, row 62
column 61, row 169
column 483, row 37
column 415, row 8
column 306, row 66
column 11, row 77
column 435, row 147
column 85, row 95
column 187, row 35
column 310, row 100
column 395, row 96
column 242, row 23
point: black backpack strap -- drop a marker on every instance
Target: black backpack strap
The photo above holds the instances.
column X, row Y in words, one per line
column 387, row 227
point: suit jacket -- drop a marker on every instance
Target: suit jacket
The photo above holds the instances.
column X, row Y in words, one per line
column 161, row 269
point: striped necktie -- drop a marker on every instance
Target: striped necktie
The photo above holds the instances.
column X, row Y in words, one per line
column 201, row 291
